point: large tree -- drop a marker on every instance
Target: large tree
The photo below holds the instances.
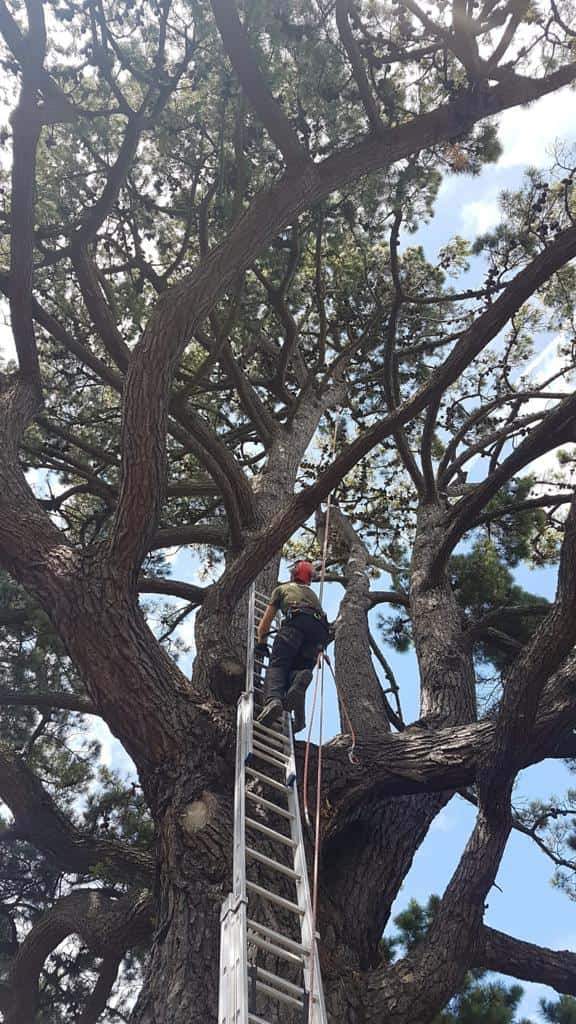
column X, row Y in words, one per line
column 203, row 240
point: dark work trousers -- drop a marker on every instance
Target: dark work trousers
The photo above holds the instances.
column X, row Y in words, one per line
column 295, row 647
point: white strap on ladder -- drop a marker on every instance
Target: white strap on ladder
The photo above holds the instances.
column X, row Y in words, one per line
column 262, row 966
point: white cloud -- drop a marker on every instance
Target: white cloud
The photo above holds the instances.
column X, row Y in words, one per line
column 528, row 133
column 113, row 754
column 480, row 215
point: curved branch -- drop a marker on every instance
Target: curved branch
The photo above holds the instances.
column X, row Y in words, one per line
column 99, row 997
column 37, row 699
column 497, row 951
column 421, row 760
column 105, row 925
column 182, row 308
column 174, row 536
column 99, row 309
column 172, row 588
column 38, row 820
column 245, row 63
column 546, row 501
column 26, row 126
column 472, row 342
column 356, row 678
column 555, row 428
column 354, row 56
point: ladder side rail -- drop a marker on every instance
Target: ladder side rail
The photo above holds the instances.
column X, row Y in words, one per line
column 250, row 637
column 318, row 1008
column 243, row 754
column 233, row 988
column 233, row 992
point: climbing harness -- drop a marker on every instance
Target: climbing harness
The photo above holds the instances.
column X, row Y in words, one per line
column 268, row 952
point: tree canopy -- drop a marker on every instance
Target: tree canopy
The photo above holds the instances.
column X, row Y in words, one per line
column 222, row 314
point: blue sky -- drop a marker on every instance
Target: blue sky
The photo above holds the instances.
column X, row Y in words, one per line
column 527, row 906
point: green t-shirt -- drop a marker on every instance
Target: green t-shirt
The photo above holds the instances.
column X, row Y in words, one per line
column 286, row 595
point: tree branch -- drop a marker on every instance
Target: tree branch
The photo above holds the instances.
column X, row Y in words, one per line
column 105, row 925
column 182, row 308
column 26, row 125
column 174, row 536
column 245, row 63
column 99, row 309
column 356, row 678
column 496, row 951
column 354, row 56
column 557, row 427
column 38, row 820
column 99, row 996
column 547, row 500
column 472, row 342
column 38, row 699
column 172, row 588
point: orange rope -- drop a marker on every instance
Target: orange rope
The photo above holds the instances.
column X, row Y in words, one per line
column 319, row 679
column 313, row 943
column 351, row 753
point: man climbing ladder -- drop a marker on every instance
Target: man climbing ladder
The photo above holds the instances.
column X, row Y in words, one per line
column 303, row 634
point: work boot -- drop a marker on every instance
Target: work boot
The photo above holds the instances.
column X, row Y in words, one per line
column 274, row 687
column 296, row 697
column 271, row 711
column 299, row 683
column 299, row 717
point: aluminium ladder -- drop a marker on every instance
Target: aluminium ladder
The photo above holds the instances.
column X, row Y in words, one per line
column 268, row 954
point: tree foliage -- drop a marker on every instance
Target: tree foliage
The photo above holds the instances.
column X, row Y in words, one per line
column 223, row 311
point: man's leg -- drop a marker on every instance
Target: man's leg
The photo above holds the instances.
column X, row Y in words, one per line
column 302, row 673
column 284, row 650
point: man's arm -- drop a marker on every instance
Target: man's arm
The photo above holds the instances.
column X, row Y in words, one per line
column 266, row 622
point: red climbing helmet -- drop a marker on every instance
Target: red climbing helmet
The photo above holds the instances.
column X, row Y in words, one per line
column 302, row 572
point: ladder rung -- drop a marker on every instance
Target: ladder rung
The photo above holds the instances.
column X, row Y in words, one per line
column 273, row 742
column 257, row 799
column 267, row 780
column 281, row 759
column 266, row 894
column 275, row 979
column 253, row 1019
column 268, row 736
column 269, row 760
column 282, row 997
column 270, row 832
column 278, row 736
column 263, row 929
column 263, row 859
column 271, row 947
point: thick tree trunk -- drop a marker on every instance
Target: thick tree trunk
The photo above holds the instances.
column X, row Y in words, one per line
column 447, row 690
column 193, row 811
